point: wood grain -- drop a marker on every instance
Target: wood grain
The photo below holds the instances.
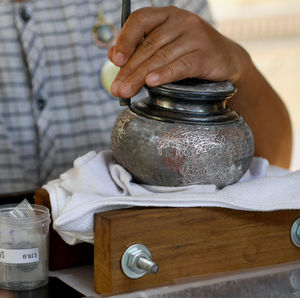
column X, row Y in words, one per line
column 187, row 242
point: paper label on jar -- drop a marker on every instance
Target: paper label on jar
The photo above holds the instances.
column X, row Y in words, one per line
column 19, row 256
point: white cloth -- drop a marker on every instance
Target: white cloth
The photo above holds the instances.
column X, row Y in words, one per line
column 97, row 183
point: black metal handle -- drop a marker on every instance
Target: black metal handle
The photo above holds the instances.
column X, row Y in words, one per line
column 126, row 9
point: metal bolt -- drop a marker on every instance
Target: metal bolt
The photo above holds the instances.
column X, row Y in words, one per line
column 295, row 232
column 147, row 265
column 137, row 261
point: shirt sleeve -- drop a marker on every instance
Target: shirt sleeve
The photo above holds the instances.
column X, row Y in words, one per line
column 199, row 7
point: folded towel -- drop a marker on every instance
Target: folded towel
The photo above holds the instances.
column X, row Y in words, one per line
column 97, row 183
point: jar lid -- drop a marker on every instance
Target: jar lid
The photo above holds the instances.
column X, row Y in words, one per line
column 189, row 100
column 195, row 89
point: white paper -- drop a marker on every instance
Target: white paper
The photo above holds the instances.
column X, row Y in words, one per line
column 19, row 256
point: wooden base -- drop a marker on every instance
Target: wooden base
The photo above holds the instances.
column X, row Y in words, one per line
column 187, row 242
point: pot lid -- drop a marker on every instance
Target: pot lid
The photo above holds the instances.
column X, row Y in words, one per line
column 195, row 89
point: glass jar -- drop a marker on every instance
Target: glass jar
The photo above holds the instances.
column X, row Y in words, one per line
column 24, row 248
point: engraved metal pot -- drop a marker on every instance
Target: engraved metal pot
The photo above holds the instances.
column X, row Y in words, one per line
column 183, row 134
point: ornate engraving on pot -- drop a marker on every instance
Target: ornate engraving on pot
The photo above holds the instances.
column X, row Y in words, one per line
column 183, row 134
column 187, row 152
column 120, row 125
column 165, row 153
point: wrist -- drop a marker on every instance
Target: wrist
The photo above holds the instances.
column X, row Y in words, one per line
column 246, row 68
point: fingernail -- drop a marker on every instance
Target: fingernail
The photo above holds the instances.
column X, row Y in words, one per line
column 152, row 79
column 119, row 59
column 126, row 89
column 115, row 87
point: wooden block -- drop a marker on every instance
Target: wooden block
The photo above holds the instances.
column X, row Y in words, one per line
column 187, row 242
column 62, row 255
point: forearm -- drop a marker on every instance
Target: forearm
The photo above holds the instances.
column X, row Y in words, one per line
column 266, row 114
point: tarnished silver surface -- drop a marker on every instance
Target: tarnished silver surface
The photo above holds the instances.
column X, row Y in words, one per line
column 164, row 153
column 119, row 129
column 182, row 140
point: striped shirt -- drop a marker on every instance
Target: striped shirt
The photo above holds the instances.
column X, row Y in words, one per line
column 53, row 107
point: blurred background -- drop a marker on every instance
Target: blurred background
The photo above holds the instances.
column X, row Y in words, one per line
column 270, row 31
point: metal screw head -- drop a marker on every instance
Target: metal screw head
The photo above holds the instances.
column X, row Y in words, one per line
column 295, row 232
column 137, row 261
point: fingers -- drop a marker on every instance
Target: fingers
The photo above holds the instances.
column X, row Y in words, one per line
column 130, row 80
column 139, row 24
column 158, row 38
column 162, row 45
column 187, row 66
column 110, row 53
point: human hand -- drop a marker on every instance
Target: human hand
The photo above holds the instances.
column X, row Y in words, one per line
column 7, row 294
column 162, row 45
